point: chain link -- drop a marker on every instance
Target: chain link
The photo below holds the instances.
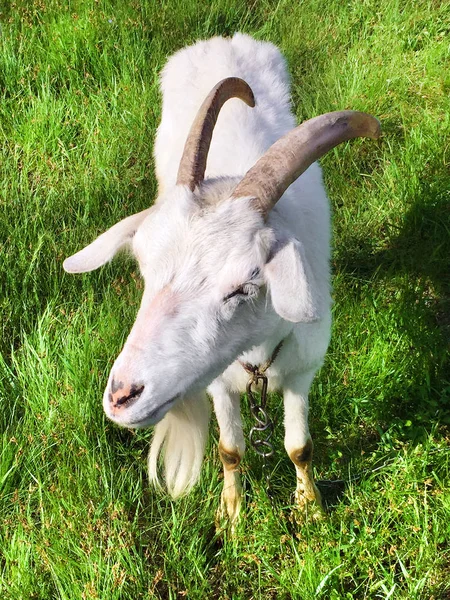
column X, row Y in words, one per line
column 261, row 433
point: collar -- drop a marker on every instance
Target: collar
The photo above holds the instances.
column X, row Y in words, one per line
column 257, row 371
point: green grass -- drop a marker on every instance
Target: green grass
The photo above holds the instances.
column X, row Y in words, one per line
column 79, row 105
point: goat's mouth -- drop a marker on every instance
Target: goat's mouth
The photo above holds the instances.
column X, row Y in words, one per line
column 153, row 417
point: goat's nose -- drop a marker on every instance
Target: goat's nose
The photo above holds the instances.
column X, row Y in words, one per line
column 122, row 395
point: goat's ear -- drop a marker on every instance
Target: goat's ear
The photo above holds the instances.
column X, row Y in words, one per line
column 292, row 286
column 105, row 246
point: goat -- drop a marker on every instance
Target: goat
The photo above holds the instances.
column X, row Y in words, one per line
column 235, row 258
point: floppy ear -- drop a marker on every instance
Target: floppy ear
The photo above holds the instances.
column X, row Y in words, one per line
column 105, row 246
column 295, row 296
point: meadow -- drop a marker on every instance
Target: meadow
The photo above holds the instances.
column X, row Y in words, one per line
column 79, row 106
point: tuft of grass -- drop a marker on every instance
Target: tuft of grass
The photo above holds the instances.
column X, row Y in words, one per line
column 79, row 108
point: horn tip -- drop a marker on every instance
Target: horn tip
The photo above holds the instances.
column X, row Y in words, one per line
column 247, row 93
column 368, row 125
column 375, row 130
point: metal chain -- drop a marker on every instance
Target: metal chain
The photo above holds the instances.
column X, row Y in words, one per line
column 261, row 433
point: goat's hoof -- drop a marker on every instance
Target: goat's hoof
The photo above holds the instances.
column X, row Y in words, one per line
column 227, row 517
column 310, row 511
column 308, row 507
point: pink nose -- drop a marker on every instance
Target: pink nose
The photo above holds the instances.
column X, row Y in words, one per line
column 122, row 395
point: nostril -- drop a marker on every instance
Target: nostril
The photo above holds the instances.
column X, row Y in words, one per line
column 126, row 400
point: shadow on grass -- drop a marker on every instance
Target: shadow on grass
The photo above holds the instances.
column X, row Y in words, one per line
column 420, row 302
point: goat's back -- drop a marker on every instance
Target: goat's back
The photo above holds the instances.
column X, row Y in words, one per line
column 242, row 134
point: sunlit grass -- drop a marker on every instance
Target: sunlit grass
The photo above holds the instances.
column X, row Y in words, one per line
column 79, row 108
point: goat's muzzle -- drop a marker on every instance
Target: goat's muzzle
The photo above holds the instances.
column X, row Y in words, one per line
column 123, row 395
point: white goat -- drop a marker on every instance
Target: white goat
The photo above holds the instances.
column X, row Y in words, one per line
column 233, row 263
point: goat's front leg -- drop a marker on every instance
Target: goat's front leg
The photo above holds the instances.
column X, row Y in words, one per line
column 231, row 449
column 298, row 442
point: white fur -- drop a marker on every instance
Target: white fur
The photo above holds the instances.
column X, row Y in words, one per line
column 241, row 134
column 183, row 433
column 194, row 251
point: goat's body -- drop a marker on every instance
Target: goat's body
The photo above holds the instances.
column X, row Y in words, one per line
column 235, row 258
column 240, row 138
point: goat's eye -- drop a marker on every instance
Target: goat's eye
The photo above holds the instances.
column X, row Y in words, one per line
column 239, row 292
column 248, row 290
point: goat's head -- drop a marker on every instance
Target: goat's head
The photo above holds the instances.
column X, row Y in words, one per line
column 218, row 279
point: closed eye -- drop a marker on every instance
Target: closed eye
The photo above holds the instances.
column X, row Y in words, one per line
column 238, row 292
column 247, row 290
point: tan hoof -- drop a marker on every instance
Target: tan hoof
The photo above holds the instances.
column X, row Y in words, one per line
column 308, row 503
column 228, row 513
column 307, row 510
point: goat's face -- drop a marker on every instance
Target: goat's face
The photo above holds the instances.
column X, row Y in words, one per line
column 207, row 269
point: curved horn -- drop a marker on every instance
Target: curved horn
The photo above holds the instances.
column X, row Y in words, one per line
column 193, row 162
column 292, row 154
